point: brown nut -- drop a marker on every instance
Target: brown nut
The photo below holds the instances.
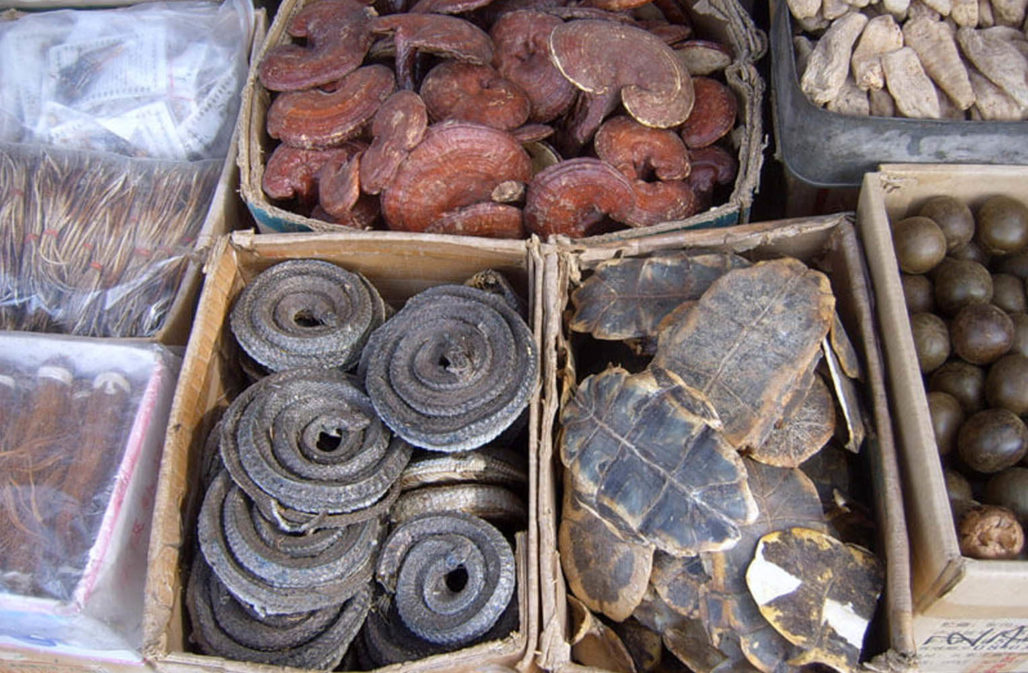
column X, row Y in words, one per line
column 989, row 532
column 474, row 93
column 456, row 165
column 522, row 55
column 574, row 197
column 397, row 127
column 337, row 35
column 713, row 114
column 641, row 152
column 603, row 56
column 446, row 36
column 317, row 119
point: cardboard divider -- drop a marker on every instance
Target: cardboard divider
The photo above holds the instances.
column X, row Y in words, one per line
column 829, row 243
column 399, row 266
column 723, row 20
column 969, row 614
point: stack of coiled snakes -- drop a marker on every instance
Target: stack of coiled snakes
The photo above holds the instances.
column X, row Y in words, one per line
column 317, row 525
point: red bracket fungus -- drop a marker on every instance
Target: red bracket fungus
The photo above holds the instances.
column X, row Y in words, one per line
column 602, row 56
column 641, row 152
column 581, row 122
column 447, row 6
column 339, row 185
column 615, row 5
column 522, row 55
column 703, row 57
column 711, row 166
column 397, row 128
column 316, row 119
column 488, row 220
column 661, row 201
column 291, row 172
column 574, row 198
column 458, row 164
column 474, row 93
column 713, row 115
column 439, row 34
column 362, row 216
column 532, row 133
column 671, row 33
column 338, row 35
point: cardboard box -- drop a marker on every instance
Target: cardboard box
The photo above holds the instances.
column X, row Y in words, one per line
column 399, row 265
column 224, row 213
column 724, row 20
column 969, row 614
column 830, row 241
column 100, row 619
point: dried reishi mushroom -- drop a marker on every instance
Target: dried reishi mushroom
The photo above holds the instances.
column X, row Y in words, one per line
column 447, row 6
column 457, row 164
column 362, row 216
column 317, row 119
column 532, row 133
column 397, row 128
column 641, row 152
column 522, row 55
column 988, row 531
column 439, row 34
column 582, row 121
column 711, row 166
column 604, row 56
column 661, row 201
column 703, row 57
column 614, row 5
column 574, row 197
column 339, row 185
column 713, row 114
column 291, row 172
column 670, row 33
column 474, row 93
column 488, row 220
column 338, row 35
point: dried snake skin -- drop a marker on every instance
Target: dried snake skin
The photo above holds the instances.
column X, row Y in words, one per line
column 451, row 575
column 491, row 502
column 275, row 572
column 488, row 465
column 306, row 444
column 306, row 313
column 316, row 639
column 452, row 369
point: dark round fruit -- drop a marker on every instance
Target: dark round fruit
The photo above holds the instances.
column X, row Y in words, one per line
column 918, row 293
column 962, row 380
column 1015, row 264
column 947, row 417
column 953, row 217
column 972, row 251
column 959, row 282
column 981, row 333
column 931, row 340
column 1009, row 488
column 1002, row 226
column 1020, row 343
column 1008, row 293
column 1006, row 384
column 957, row 485
column 920, row 244
column 992, row 440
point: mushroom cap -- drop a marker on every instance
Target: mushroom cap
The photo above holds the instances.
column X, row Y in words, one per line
column 615, row 5
column 521, row 42
column 703, row 57
column 486, row 219
column 711, row 166
column 573, row 197
column 397, row 127
column 603, row 56
column 361, row 216
column 316, row 119
column 338, row 35
column 447, row 6
column 457, row 164
column 670, row 33
column 446, row 36
column 474, row 93
column 291, row 172
column 339, row 185
column 584, row 118
column 713, row 114
column 532, row 133
column 661, row 202
column 640, row 151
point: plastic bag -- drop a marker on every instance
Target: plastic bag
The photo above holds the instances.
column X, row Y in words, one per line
column 158, row 80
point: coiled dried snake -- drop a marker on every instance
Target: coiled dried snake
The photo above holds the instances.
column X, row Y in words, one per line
column 452, row 369
column 307, row 446
column 306, row 313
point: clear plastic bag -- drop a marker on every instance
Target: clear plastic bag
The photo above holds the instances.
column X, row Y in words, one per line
column 158, row 80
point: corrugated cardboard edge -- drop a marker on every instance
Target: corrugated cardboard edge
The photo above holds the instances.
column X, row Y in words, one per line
column 804, row 238
column 163, row 587
column 742, row 77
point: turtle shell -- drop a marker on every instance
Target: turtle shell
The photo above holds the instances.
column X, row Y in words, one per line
column 748, row 340
column 680, row 581
column 606, row 573
column 644, row 452
column 627, row 298
column 786, row 498
column 801, row 433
